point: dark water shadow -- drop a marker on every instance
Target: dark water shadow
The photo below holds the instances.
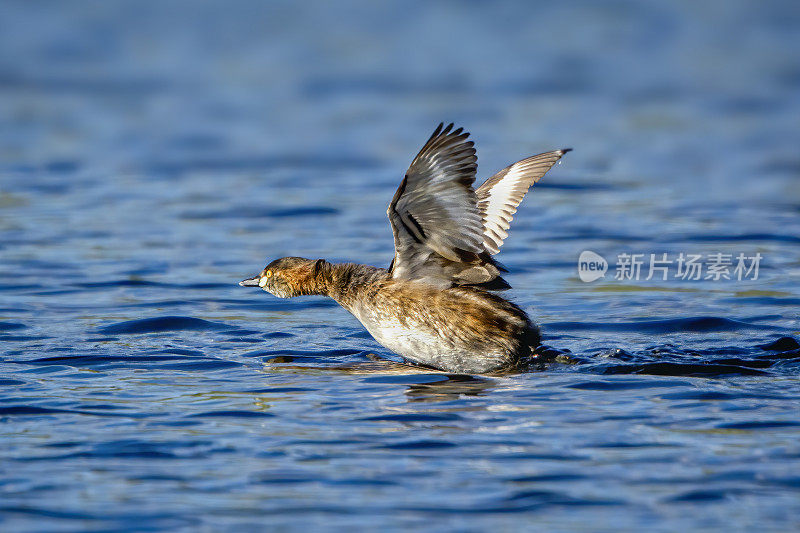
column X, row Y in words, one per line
column 777, row 357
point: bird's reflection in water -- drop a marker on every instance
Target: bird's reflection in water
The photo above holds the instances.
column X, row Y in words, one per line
column 544, row 356
column 443, row 388
column 373, row 365
column 452, row 388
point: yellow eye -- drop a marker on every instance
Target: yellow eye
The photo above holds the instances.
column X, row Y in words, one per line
column 263, row 280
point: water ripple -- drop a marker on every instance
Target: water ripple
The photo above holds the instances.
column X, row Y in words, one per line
column 161, row 324
column 690, row 324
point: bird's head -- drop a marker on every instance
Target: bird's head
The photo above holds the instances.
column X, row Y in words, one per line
column 288, row 277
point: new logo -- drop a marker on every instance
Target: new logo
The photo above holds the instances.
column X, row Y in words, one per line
column 591, row 266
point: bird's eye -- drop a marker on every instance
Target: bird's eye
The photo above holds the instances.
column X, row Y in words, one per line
column 263, row 280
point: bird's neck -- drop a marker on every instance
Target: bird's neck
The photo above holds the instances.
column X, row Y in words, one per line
column 345, row 282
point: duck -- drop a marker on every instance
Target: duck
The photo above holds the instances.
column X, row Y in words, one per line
column 436, row 304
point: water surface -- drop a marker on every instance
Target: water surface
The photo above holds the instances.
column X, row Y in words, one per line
column 151, row 156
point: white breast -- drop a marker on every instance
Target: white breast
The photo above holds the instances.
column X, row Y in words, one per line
column 418, row 343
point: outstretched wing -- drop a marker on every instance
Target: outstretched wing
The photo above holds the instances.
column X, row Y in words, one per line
column 438, row 229
column 500, row 195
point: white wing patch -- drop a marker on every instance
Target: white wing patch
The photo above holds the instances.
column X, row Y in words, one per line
column 500, row 195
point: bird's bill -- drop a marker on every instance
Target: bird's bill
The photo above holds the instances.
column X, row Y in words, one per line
column 250, row 282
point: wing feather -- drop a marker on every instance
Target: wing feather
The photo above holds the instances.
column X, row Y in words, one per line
column 438, row 229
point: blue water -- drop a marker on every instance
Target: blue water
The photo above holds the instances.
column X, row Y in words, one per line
column 154, row 154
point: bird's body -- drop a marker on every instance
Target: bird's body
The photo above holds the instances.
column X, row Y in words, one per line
column 433, row 305
column 441, row 328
